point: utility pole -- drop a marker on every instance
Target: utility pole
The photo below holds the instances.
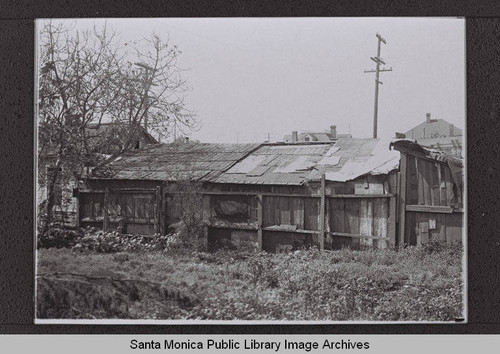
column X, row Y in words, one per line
column 378, row 60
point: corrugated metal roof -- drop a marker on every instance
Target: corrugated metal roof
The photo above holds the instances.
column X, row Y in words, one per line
column 276, row 164
column 170, row 162
column 294, row 164
column 359, row 157
column 268, row 164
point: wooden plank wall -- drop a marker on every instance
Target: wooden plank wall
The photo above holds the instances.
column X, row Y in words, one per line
column 301, row 212
column 311, row 212
column 360, row 221
column 428, row 182
column 363, row 217
column 448, row 227
column 349, row 220
column 428, row 214
column 136, row 207
column 109, row 207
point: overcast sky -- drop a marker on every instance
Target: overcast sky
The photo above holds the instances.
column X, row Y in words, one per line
column 251, row 77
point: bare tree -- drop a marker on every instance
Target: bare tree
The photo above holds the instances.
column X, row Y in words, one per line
column 77, row 74
column 153, row 91
column 87, row 78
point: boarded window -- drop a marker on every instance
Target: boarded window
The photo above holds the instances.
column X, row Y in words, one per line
column 233, row 208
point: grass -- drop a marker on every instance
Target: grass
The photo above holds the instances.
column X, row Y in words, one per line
column 413, row 284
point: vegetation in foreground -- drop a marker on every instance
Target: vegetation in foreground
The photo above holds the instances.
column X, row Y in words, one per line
column 413, row 284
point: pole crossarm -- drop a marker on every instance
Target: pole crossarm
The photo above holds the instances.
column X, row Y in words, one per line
column 378, row 60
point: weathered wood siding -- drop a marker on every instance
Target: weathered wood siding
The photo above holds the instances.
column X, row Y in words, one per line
column 355, row 221
column 350, row 220
column 428, row 182
column 301, row 212
column 430, row 212
column 423, row 227
column 360, row 222
column 127, row 211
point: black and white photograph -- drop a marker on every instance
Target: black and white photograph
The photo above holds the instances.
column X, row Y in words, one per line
column 250, row 170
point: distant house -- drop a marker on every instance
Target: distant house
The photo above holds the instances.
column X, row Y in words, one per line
column 359, row 193
column 112, row 138
column 105, row 140
column 437, row 134
column 318, row 137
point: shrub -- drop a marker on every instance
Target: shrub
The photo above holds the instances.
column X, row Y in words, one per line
column 58, row 237
column 223, row 244
column 112, row 242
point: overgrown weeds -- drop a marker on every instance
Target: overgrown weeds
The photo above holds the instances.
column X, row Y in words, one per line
column 412, row 284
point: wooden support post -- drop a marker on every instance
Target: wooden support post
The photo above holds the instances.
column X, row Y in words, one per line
column 327, row 221
column 259, row 221
column 322, row 215
column 77, row 197
column 391, row 227
column 105, row 211
column 164, row 215
column 402, row 198
column 366, row 222
column 158, row 228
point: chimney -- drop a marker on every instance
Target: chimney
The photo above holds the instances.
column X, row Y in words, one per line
column 186, row 139
column 333, row 131
column 295, row 136
column 452, row 130
column 428, row 117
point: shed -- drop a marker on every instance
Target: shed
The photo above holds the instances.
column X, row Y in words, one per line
column 357, row 193
column 129, row 191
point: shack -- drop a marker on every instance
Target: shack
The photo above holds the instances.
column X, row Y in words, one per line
column 102, row 141
column 358, row 193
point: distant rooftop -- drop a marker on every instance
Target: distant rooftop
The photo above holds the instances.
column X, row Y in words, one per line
column 308, row 136
column 433, row 128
